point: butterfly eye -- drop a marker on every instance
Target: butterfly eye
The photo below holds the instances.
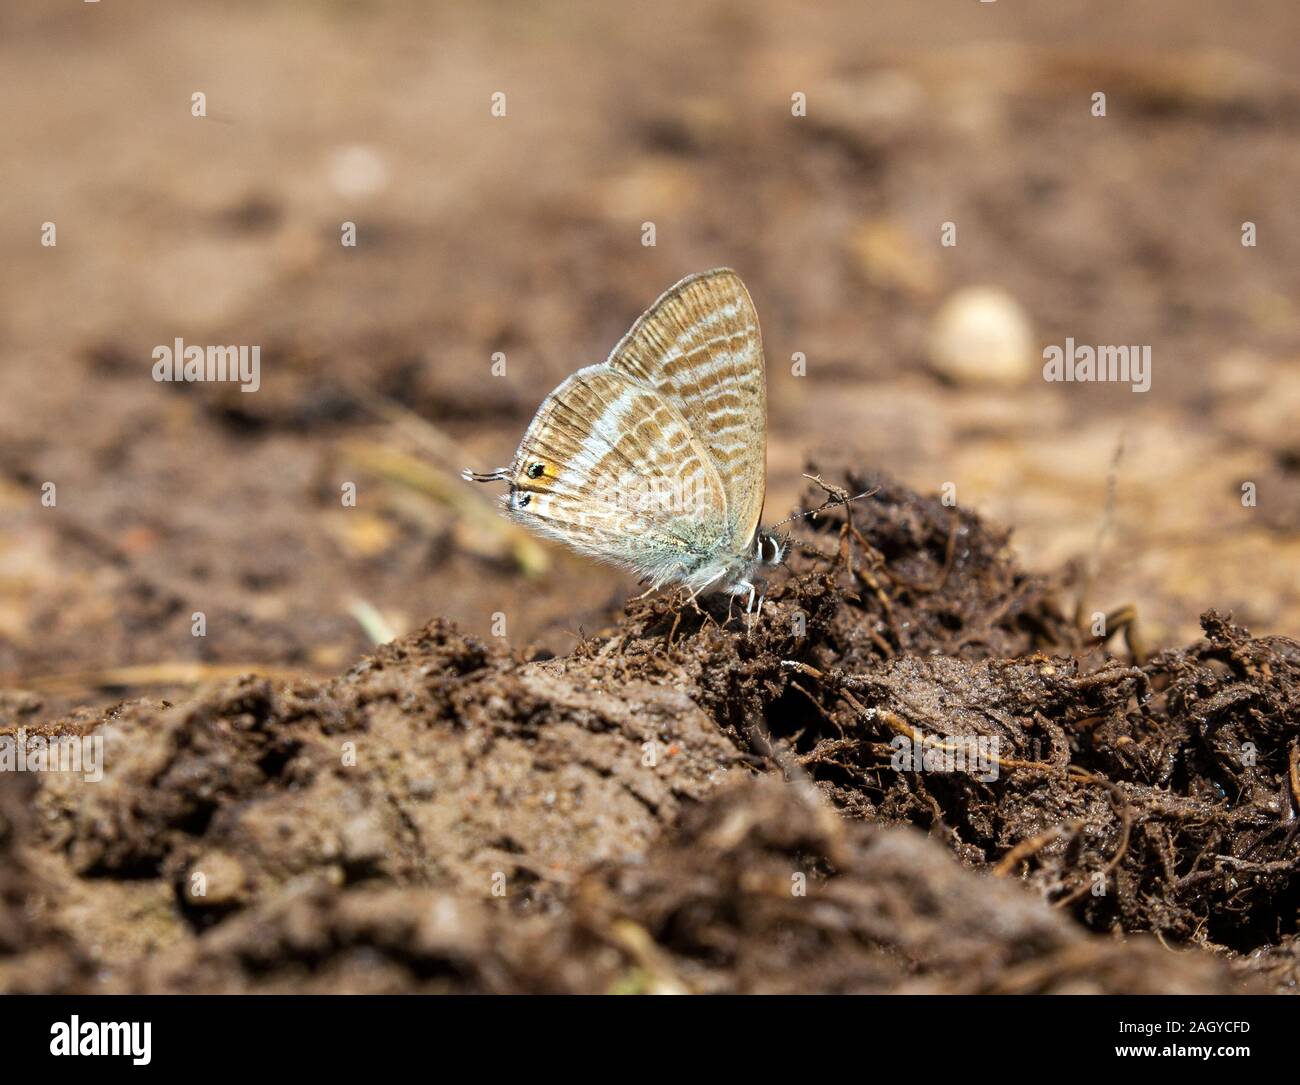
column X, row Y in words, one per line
column 536, row 470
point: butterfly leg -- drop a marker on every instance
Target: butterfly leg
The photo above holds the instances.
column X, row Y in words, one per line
column 686, row 599
column 676, row 618
column 707, row 584
column 742, row 587
column 699, row 609
column 750, row 610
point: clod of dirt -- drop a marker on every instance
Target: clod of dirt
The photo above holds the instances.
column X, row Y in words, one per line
column 759, row 890
column 35, row 958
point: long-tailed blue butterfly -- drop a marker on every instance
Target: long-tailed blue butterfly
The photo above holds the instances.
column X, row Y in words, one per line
column 655, row 460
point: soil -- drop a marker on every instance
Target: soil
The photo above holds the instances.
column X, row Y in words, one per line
column 696, row 802
column 549, row 788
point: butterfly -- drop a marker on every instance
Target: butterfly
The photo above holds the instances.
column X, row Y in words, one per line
column 655, row 460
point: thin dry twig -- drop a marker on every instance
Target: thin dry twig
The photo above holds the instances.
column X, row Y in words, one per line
column 1031, row 846
column 171, row 673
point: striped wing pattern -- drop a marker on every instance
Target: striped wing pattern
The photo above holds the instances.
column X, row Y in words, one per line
column 700, row 347
column 612, row 468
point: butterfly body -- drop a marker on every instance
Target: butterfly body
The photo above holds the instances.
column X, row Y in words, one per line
column 655, row 460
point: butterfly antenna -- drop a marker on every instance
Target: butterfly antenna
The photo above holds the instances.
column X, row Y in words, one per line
column 501, row 474
column 839, row 499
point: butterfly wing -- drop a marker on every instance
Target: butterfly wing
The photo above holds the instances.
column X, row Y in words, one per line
column 612, row 468
column 700, row 347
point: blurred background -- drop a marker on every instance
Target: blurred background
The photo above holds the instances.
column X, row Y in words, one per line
column 522, row 234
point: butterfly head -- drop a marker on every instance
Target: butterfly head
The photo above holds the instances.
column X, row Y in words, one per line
column 769, row 549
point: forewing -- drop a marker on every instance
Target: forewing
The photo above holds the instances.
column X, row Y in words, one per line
column 700, row 347
column 611, row 468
